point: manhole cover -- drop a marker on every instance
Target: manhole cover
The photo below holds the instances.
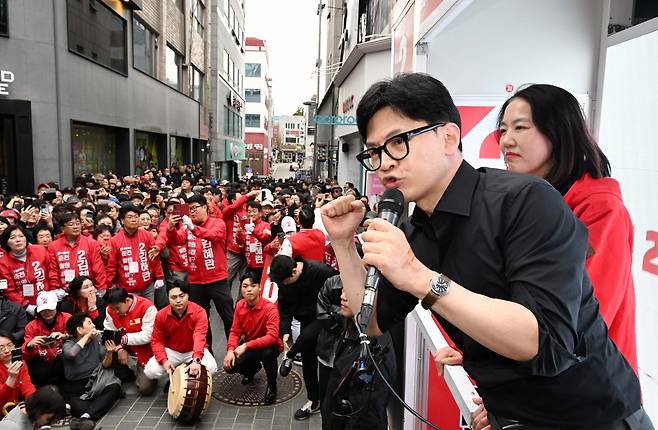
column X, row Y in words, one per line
column 229, row 389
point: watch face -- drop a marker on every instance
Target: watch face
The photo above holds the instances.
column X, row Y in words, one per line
column 440, row 285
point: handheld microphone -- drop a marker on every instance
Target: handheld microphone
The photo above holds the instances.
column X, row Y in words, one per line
column 390, row 209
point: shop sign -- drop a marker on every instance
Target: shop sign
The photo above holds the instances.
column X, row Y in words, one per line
column 335, row 119
column 6, row 78
column 348, row 104
column 254, row 146
column 234, row 150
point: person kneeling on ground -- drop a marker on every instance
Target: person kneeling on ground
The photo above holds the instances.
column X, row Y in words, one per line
column 179, row 336
column 91, row 388
column 134, row 315
column 254, row 337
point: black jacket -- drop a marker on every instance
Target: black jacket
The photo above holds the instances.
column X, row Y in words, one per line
column 13, row 319
column 299, row 300
column 332, row 320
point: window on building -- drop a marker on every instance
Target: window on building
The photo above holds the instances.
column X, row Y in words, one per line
column 252, row 70
column 97, row 33
column 291, row 140
column 199, row 16
column 252, row 120
column 227, row 10
column 225, row 62
column 231, row 70
column 196, row 85
column 227, row 130
column 173, row 68
column 145, row 45
column 252, row 95
column 236, row 77
column 4, row 18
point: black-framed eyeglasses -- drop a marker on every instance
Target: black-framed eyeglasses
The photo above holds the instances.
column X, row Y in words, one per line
column 396, row 147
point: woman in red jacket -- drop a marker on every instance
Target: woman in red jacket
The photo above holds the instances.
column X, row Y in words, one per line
column 543, row 133
column 15, row 382
column 25, row 267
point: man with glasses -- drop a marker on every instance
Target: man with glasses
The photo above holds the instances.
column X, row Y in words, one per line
column 128, row 265
column 498, row 257
column 74, row 254
column 206, row 257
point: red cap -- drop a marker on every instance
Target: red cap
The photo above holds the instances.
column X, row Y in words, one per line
column 9, row 213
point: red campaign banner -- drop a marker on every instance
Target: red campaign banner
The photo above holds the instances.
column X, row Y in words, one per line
column 471, row 116
column 650, row 260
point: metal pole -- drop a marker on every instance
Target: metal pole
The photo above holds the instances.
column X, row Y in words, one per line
column 318, row 64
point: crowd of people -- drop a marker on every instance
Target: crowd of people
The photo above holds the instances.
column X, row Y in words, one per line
column 112, row 280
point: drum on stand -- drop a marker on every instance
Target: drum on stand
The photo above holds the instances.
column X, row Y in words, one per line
column 189, row 397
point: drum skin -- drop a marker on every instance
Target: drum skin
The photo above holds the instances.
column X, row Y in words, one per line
column 189, row 397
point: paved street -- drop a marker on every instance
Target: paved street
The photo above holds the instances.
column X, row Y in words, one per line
column 147, row 413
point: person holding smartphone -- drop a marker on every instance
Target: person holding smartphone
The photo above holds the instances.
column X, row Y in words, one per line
column 15, row 382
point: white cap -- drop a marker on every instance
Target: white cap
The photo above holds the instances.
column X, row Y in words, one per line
column 288, row 224
column 266, row 203
column 46, row 300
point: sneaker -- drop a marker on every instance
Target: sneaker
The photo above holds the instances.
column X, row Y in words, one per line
column 82, row 424
column 270, row 395
column 307, row 410
column 286, row 367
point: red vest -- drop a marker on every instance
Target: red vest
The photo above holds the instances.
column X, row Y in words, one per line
column 131, row 322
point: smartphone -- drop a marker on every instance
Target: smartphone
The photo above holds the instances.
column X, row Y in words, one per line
column 153, row 194
column 49, row 194
column 89, row 215
column 27, row 201
column 44, row 208
column 113, row 335
column 16, row 355
column 181, row 209
column 3, row 284
column 164, row 195
column 263, row 195
column 50, row 339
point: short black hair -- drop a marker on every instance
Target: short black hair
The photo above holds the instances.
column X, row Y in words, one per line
column 115, row 295
column 197, row 198
column 178, row 283
column 9, row 336
column 128, row 207
column 306, row 216
column 417, row 96
column 41, row 227
column 74, row 322
column 101, row 228
column 46, row 400
column 252, row 276
column 76, row 285
column 281, row 268
column 254, row 204
column 5, row 235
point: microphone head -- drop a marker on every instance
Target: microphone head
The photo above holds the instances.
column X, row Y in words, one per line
column 392, row 200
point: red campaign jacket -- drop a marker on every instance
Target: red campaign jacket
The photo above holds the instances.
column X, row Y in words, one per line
column 37, row 327
column 29, row 276
column 215, row 211
column 233, row 214
column 177, row 257
column 254, row 243
column 206, row 250
column 67, row 262
column 309, row 244
column 21, row 390
column 137, row 324
column 599, row 205
column 128, row 264
column 258, row 326
column 180, row 334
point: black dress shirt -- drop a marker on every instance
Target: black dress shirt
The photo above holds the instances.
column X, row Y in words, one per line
column 512, row 237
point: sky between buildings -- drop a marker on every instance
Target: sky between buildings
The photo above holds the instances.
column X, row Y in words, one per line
column 290, row 28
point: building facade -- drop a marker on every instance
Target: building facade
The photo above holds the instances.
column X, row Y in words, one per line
column 258, row 98
column 100, row 85
column 227, row 103
column 292, row 138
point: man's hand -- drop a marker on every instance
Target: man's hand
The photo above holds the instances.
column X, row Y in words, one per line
column 386, row 248
column 159, row 283
column 253, row 194
column 154, row 252
column 173, row 222
column 479, row 417
column 229, row 360
column 447, row 356
column 123, row 355
column 240, row 350
column 194, row 369
column 36, row 341
column 110, row 347
column 342, row 217
column 168, row 367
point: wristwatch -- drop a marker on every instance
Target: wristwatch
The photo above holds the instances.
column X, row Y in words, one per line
column 439, row 286
column 197, row 360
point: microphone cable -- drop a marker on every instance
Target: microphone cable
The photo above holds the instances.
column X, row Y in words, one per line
column 390, row 388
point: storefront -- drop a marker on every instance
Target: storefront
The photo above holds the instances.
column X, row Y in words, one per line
column 99, row 148
column 230, row 168
column 150, row 151
column 15, row 144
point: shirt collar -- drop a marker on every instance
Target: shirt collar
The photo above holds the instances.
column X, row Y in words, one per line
column 257, row 306
column 457, row 197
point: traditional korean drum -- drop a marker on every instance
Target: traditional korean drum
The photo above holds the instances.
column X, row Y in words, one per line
column 189, row 397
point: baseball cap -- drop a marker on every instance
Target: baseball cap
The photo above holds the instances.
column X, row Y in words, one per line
column 9, row 213
column 266, row 203
column 288, row 224
column 46, row 300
